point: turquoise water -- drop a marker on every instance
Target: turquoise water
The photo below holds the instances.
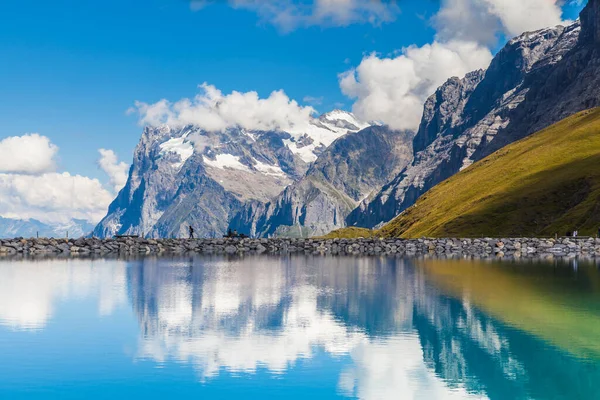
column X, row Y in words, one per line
column 299, row 327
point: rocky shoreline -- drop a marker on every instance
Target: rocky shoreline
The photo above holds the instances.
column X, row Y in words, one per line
column 476, row 248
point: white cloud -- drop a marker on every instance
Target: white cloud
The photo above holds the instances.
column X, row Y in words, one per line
column 213, row 111
column 30, row 154
column 116, row 171
column 30, row 187
column 288, row 15
column 393, row 90
column 483, row 20
column 53, row 197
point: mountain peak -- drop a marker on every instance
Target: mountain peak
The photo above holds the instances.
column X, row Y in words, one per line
column 343, row 119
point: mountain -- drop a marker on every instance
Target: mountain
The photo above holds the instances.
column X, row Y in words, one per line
column 536, row 80
column 348, row 171
column 545, row 184
column 184, row 176
column 11, row 228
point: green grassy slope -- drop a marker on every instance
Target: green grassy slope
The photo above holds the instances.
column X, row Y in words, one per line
column 544, row 184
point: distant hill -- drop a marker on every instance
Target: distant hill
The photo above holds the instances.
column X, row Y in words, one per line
column 11, row 228
column 544, row 184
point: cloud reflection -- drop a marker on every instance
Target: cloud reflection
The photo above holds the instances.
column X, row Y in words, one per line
column 30, row 289
column 240, row 316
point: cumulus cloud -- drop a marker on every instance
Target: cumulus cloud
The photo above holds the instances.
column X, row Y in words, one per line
column 116, row 171
column 30, row 154
column 393, row 89
column 213, row 111
column 483, row 20
column 288, row 15
column 30, row 187
column 52, row 197
column 31, row 290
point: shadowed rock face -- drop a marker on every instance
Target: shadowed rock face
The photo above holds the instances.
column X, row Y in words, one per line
column 536, row 80
column 590, row 22
column 188, row 176
column 351, row 169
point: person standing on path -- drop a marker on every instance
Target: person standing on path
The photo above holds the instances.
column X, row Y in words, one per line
column 191, row 232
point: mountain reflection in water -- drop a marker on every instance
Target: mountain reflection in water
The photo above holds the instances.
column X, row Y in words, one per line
column 385, row 328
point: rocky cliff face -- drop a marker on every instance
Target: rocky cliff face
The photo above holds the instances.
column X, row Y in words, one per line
column 351, row 169
column 536, row 80
column 184, row 176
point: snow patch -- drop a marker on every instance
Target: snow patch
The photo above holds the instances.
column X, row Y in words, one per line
column 306, row 153
column 226, row 161
column 339, row 115
column 323, row 131
column 178, row 146
column 267, row 169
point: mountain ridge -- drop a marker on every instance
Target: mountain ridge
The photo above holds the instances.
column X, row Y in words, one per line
column 537, row 79
column 543, row 185
column 183, row 176
column 349, row 170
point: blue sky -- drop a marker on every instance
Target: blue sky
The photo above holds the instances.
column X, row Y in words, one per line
column 70, row 69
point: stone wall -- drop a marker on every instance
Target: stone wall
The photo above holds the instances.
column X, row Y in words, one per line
column 478, row 248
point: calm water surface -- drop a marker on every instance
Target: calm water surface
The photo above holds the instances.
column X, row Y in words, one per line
column 299, row 327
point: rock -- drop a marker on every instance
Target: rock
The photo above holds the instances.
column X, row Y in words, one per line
column 413, row 247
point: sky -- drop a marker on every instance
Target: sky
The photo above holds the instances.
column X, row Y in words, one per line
column 80, row 78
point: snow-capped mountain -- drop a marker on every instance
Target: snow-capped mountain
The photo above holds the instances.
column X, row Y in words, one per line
column 258, row 180
column 536, row 80
column 348, row 171
column 11, row 228
column 185, row 176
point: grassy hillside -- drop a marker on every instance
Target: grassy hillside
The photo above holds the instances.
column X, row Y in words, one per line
column 544, row 184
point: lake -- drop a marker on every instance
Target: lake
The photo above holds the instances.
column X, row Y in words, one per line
column 298, row 327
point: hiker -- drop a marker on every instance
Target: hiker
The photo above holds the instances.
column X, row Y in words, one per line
column 575, row 232
column 229, row 233
column 191, row 232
